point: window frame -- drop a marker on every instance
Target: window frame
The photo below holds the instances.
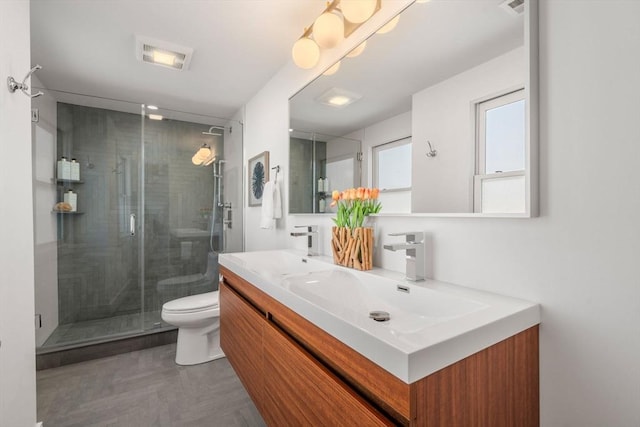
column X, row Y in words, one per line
column 407, row 140
column 481, row 108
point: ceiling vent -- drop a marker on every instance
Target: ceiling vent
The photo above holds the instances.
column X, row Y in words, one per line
column 513, row 7
column 165, row 54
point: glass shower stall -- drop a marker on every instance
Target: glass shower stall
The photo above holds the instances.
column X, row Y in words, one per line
column 132, row 204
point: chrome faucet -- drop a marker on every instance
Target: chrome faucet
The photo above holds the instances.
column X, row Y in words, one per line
column 414, row 246
column 312, row 238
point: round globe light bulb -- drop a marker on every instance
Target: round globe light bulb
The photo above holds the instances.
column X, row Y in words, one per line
column 357, row 50
column 333, row 69
column 357, row 11
column 389, row 25
column 305, row 53
column 328, row 30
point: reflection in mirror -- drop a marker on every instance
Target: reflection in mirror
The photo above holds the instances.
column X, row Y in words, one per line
column 319, row 164
column 442, row 106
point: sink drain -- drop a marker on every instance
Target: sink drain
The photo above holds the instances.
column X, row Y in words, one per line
column 379, row 316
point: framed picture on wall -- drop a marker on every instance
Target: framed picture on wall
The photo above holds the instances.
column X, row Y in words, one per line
column 258, row 176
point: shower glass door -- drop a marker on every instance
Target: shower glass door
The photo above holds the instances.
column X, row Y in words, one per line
column 183, row 228
column 87, row 155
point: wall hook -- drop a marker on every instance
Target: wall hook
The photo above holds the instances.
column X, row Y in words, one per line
column 13, row 84
column 432, row 152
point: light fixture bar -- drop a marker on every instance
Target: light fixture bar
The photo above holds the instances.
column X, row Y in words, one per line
column 349, row 27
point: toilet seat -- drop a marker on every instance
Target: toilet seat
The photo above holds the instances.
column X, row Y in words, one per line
column 192, row 304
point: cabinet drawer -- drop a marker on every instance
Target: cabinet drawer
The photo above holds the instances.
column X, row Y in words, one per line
column 241, row 336
column 301, row 391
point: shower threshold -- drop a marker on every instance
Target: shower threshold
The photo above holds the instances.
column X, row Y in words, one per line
column 93, row 339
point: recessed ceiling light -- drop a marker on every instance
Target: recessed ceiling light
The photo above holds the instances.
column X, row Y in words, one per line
column 163, row 53
column 338, row 98
column 155, row 116
column 152, row 107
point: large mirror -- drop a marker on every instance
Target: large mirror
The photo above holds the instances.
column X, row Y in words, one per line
column 442, row 108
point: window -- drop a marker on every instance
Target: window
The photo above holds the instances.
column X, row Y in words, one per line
column 392, row 165
column 499, row 183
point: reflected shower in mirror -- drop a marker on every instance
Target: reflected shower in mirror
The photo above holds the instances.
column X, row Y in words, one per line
column 319, row 164
column 442, row 106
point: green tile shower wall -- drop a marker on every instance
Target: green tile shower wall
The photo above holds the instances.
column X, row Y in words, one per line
column 98, row 268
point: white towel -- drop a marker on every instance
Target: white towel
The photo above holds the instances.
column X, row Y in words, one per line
column 277, row 201
column 266, row 218
column 271, row 204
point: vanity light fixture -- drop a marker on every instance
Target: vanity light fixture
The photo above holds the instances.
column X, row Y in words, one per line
column 389, row 25
column 357, row 50
column 333, row 69
column 339, row 19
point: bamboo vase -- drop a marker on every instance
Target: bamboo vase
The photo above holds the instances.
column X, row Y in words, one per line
column 353, row 247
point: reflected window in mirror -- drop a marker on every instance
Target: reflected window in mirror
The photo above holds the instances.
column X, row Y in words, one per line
column 499, row 183
column 392, row 173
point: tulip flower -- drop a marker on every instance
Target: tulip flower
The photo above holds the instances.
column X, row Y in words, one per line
column 354, row 205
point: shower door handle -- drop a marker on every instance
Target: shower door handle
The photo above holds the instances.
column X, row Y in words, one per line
column 132, row 224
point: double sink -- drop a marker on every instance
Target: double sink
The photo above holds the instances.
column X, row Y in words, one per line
column 430, row 324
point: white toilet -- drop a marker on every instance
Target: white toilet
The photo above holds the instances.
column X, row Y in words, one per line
column 198, row 320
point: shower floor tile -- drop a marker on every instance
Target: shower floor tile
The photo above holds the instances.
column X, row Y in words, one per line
column 91, row 330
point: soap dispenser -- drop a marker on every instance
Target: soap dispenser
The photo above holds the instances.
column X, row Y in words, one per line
column 64, row 169
column 71, row 198
column 75, row 170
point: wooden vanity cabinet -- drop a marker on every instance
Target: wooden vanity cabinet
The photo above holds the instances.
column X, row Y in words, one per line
column 287, row 384
column 298, row 374
column 243, row 327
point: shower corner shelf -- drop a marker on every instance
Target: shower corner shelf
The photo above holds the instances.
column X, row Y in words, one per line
column 68, row 181
column 67, row 213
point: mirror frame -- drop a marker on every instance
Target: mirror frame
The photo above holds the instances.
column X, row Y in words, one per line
column 532, row 197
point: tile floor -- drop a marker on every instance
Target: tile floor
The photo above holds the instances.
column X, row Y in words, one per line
column 144, row 388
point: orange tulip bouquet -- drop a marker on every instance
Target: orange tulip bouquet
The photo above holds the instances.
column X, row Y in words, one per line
column 351, row 242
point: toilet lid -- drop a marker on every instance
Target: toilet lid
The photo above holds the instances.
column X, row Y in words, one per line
column 193, row 303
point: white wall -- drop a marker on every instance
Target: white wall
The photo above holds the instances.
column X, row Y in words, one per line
column 43, row 136
column 579, row 258
column 17, row 349
column 443, row 114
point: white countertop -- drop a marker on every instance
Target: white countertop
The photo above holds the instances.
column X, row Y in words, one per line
column 434, row 325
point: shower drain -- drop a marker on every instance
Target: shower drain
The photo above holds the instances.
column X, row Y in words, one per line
column 379, row 316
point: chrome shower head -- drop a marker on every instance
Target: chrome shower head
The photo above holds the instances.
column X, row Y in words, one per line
column 209, row 132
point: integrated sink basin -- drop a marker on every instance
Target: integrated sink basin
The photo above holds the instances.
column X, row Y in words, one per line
column 277, row 264
column 353, row 297
column 431, row 324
